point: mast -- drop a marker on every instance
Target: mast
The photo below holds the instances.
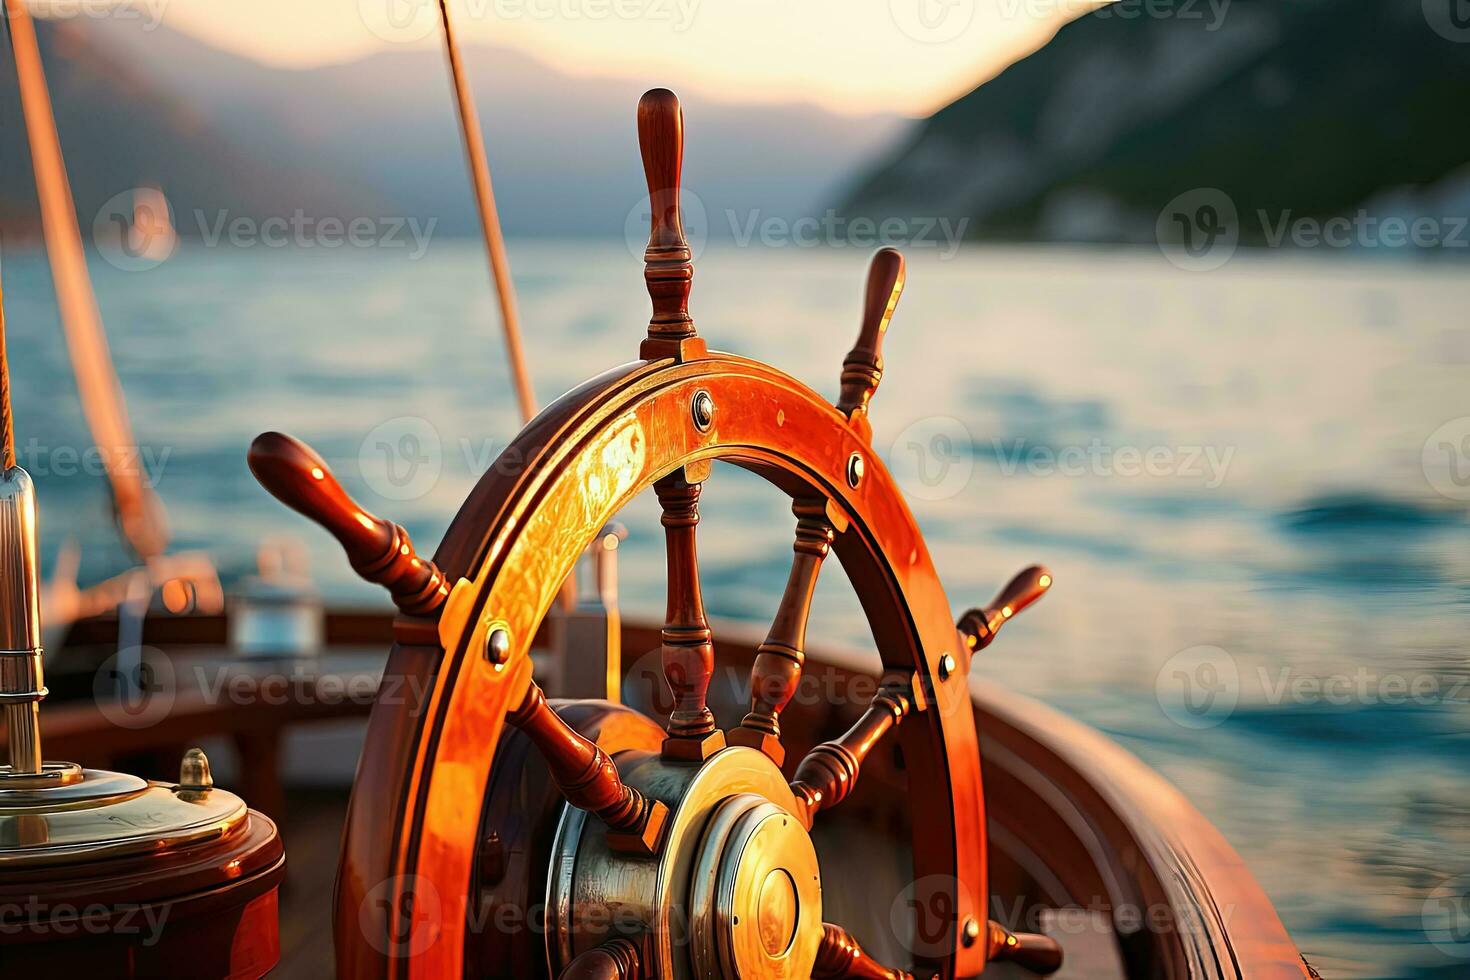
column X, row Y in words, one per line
column 139, row 511
column 479, row 166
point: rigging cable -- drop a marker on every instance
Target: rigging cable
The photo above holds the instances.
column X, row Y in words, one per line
column 474, row 148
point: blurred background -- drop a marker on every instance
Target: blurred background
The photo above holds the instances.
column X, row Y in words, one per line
column 1186, row 320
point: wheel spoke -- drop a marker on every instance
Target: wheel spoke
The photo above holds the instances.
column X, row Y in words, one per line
column 829, row 772
column 616, row 959
column 778, row 660
column 588, row 778
column 840, row 955
column 688, row 652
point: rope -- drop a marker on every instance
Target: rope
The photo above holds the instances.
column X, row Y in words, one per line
column 7, row 420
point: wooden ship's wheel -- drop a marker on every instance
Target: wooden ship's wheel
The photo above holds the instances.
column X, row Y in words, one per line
column 672, row 850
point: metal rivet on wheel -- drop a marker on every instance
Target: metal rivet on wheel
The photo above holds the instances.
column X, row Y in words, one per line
column 497, row 647
column 946, row 667
column 855, row 470
column 971, row 931
column 702, row 408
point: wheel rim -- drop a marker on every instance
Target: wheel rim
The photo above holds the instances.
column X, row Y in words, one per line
column 519, row 535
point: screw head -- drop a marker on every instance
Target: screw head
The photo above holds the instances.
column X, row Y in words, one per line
column 971, row 931
column 702, row 409
column 497, row 647
column 946, row 667
column 855, row 470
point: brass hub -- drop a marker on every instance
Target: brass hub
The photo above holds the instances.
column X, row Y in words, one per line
column 736, row 890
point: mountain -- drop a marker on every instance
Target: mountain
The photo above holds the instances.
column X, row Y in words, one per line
column 120, row 130
column 1310, row 109
column 377, row 137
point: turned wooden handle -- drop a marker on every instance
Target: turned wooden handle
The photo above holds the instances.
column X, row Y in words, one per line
column 842, row 956
column 379, row 550
column 980, row 626
column 668, row 263
column 1033, row 951
column 862, row 369
column 616, row 959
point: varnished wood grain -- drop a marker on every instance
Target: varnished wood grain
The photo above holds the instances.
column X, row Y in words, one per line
column 688, row 654
column 379, row 550
column 588, row 779
column 668, row 263
column 829, row 772
column 980, row 626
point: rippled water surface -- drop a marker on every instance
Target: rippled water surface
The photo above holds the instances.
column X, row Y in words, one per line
column 1259, row 588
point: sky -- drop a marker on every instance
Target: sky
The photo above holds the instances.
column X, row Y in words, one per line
column 909, row 56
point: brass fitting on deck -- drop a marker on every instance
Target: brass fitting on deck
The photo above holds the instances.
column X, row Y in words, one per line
column 22, row 684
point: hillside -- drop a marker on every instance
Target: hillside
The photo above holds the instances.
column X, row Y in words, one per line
column 1316, row 108
column 377, row 137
